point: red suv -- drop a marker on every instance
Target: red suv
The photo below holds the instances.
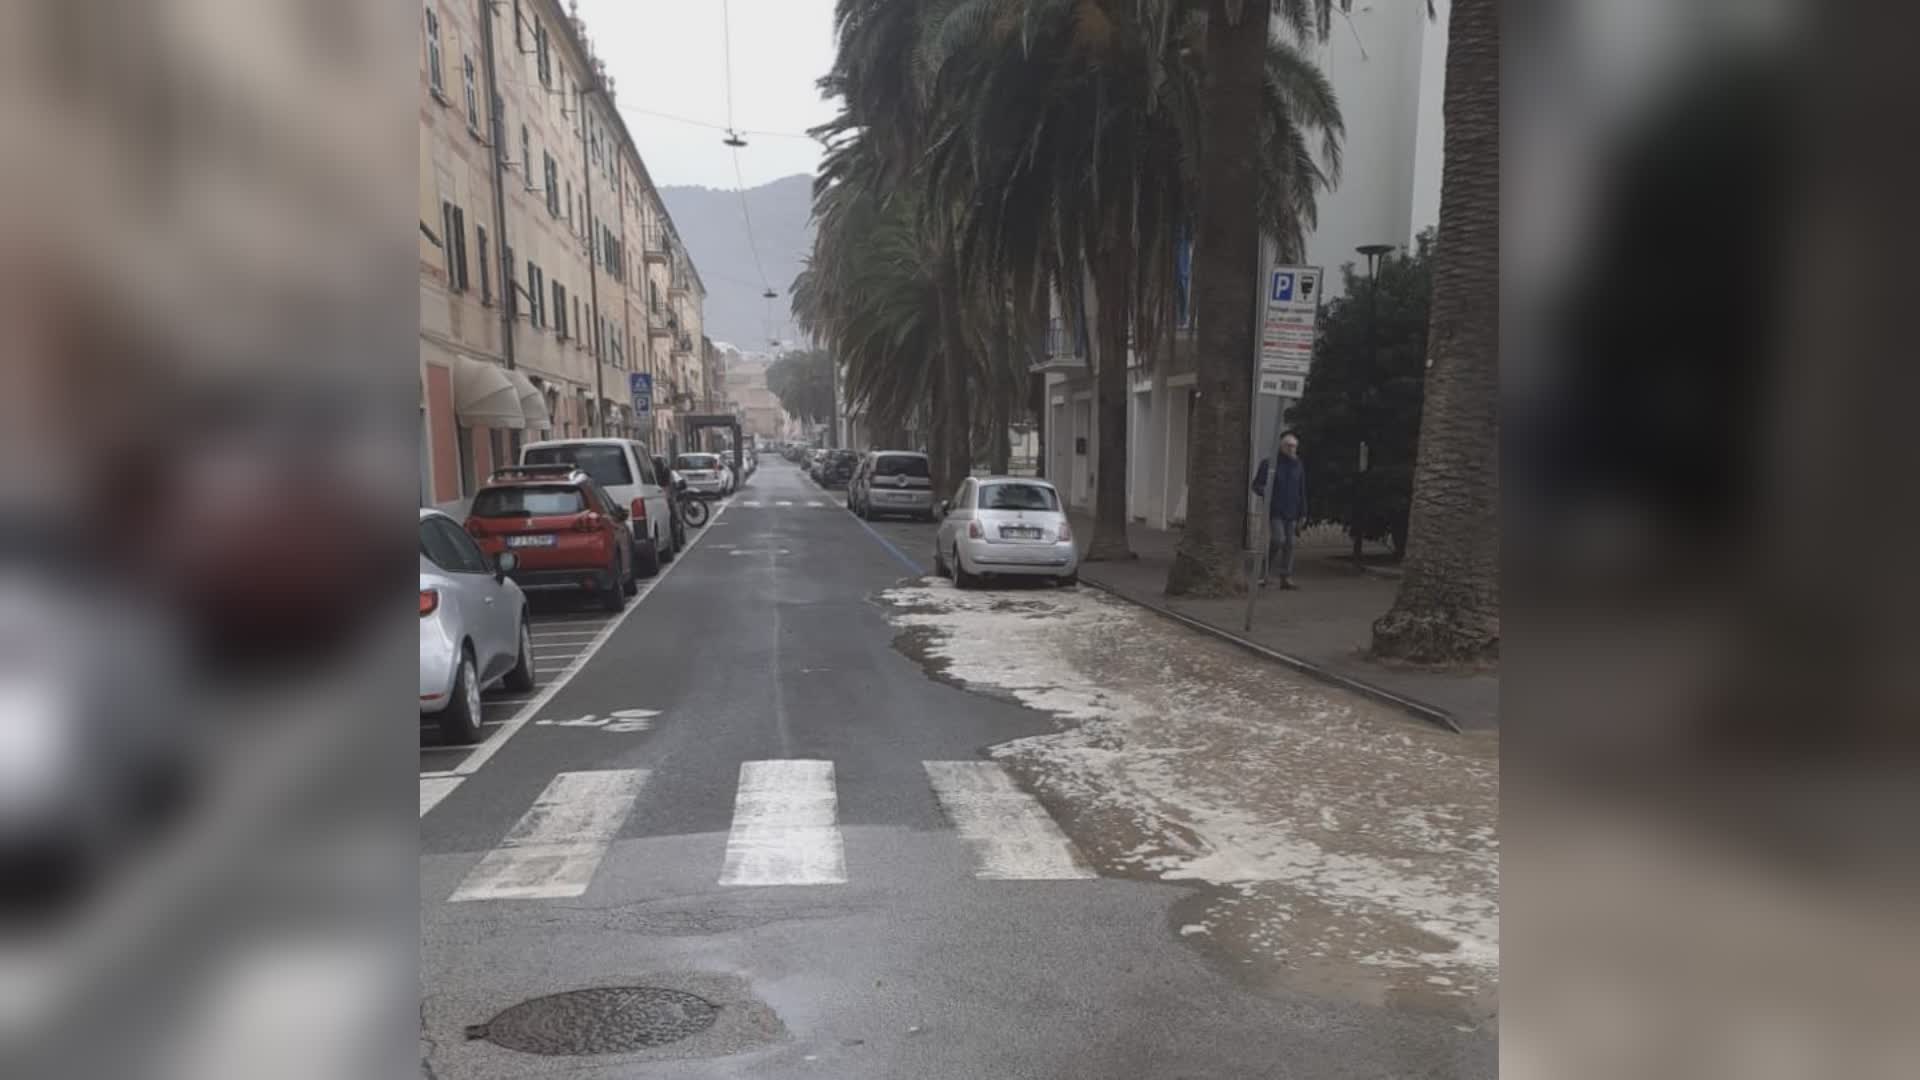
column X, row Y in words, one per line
column 565, row 531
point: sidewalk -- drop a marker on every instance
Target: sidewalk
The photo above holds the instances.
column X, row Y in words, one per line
column 1324, row 625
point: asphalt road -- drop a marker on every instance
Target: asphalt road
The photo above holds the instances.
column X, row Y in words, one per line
column 748, row 794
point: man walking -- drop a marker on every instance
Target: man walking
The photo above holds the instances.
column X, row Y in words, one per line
column 1283, row 480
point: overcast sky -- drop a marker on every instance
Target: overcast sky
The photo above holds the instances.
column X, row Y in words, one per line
column 667, row 56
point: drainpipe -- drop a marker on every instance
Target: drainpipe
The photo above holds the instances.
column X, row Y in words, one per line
column 498, row 130
column 593, row 263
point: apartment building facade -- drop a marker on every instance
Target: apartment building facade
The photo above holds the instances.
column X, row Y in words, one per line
column 535, row 265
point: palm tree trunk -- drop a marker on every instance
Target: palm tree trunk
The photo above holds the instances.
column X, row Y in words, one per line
column 1109, row 541
column 1037, row 404
column 936, row 421
column 1448, row 608
column 999, row 417
column 1226, row 272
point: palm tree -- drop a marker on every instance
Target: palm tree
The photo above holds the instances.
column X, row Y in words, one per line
column 919, row 338
column 1254, row 84
column 1448, row 607
column 1072, row 133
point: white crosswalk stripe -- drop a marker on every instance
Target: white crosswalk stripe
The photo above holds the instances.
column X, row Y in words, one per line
column 785, row 827
column 1009, row 832
column 815, row 503
column 554, row 849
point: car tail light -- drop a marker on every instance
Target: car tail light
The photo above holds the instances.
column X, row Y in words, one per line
column 1066, row 532
column 429, row 602
column 591, row 521
column 974, row 531
column 639, row 510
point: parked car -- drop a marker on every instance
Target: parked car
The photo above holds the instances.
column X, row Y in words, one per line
column 566, row 532
column 473, row 627
column 837, row 468
column 624, row 470
column 1005, row 526
column 676, row 488
column 705, row 474
column 892, row 482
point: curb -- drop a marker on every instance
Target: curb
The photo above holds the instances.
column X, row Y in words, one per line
column 1419, row 709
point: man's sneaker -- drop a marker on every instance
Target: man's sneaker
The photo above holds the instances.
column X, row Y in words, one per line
column 1287, row 583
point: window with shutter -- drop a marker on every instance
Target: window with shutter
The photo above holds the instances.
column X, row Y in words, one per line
column 434, row 78
column 486, row 276
column 560, row 310
column 459, row 249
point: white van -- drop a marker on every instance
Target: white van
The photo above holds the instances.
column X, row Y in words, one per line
column 625, row 469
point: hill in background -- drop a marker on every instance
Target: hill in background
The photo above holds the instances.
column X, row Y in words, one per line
column 710, row 222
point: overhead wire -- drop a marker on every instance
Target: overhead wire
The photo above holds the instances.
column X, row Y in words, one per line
column 739, row 181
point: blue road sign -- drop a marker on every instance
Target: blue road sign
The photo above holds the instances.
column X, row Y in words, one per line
column 640, row 386
column 1283, row 286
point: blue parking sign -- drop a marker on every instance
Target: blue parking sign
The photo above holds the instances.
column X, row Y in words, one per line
column 640, row 388
column 1283, row 286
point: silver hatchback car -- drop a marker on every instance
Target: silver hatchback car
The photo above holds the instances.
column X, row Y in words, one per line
column 1012, row 526
column 473, row 627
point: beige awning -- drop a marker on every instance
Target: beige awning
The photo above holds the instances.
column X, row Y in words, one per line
column 483, row 396
column 533, row 403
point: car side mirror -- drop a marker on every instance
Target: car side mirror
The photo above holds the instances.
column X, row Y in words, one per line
column 943, row 507
column 620, row 514
column 503, row 564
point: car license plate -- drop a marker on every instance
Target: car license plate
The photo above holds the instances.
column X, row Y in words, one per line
column 1020, row 532
column 542, row 540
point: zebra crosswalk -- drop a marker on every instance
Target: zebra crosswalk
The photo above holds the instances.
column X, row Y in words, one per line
column 785, row 830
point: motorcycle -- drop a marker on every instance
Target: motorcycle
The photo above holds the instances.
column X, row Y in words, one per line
column 692, row 509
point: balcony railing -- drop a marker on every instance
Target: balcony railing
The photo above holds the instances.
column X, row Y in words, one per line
column 656, row 244
column 1066, row 351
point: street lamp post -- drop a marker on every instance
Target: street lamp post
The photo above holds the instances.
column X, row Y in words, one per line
column 1373, row 254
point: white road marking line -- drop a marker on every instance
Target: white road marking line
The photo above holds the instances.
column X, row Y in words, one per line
column 485, row 751
column 783, row 502
column 539, row 637
column 1008, row 830
column 435, row 788
column 815, row 503
column 553, row 850
column 784, row 826
column 751, row 503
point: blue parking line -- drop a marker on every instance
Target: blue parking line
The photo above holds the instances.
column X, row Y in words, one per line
column 892, row 547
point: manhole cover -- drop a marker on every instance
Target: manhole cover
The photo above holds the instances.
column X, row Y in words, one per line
column 611, row 1020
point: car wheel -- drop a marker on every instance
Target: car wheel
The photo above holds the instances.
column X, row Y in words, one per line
column 460, row 720
column 614, row 596
column 646, row 564
column 521, row 678
column 961, row 578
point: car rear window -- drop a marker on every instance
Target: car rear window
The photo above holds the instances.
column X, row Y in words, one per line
column 528, row 501
column 1018, row 497
column 697, row 461
column 606, row 464
column 900, row 465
